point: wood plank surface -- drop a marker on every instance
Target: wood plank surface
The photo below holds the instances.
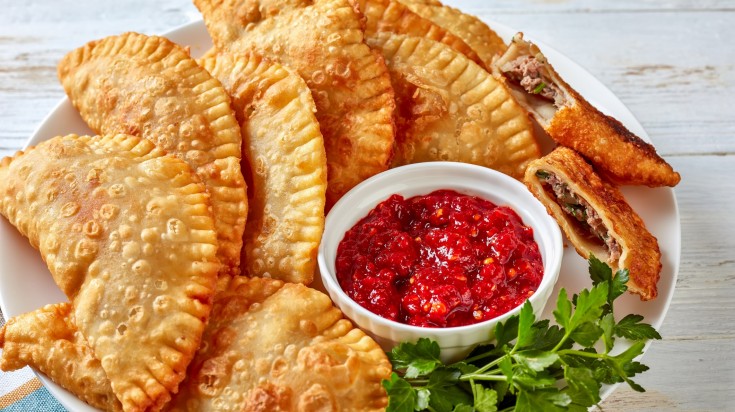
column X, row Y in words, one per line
column 672, row 62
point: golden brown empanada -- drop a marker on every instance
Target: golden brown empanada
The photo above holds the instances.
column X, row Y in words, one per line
column 568, row 118
column 271, row 346
column 268, row 347
column 475, row 33
column 47, row 340
column 596, row 218
column 452, row 109
column 287, row 165
column 393, row 16
column 151, row 87
column 323, row 42
column 128, row 236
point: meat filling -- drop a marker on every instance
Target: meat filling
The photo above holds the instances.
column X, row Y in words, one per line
column 578, row 208
column 527, row 71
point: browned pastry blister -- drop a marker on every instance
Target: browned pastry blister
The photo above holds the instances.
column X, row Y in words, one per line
column 128, row 235
column 596, row 218
column 286, row 161
column 149, row 86
column 323, row 42
column 569, row 119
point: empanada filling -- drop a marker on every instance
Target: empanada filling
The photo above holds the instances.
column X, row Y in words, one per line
column 529, row 72
column 587, row 220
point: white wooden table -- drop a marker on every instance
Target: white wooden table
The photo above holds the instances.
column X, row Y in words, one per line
column 671, row 62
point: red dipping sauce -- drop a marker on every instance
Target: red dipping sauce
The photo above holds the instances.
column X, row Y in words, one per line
column 439, row 260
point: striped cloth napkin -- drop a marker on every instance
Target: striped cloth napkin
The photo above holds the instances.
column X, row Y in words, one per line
column 21, row 391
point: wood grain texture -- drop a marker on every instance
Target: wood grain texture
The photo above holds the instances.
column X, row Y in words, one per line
column 670, row 61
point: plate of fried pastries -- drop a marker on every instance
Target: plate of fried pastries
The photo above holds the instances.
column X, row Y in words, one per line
column 160, row 228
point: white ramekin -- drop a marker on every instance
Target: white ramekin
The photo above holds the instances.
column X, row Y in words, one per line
column 420, row 179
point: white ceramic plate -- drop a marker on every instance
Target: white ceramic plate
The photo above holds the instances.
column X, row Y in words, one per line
column 26, row 284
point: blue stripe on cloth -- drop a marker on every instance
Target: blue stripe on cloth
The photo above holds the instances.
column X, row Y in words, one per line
column 39, row 400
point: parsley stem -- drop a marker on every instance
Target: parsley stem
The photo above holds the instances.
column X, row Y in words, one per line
column 482, row 377
column 582, row 353
column 489, row 365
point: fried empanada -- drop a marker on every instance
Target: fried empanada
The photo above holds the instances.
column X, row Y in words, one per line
column 287, row 162
column 395, row 17
column 128, row 236
column 568, row 118
column 596, row 218
column 271, row 346
column 47, row 340
column 268, row 347
column 452, row 109
column 151, row 87
column 323, row 42
column 473, row 31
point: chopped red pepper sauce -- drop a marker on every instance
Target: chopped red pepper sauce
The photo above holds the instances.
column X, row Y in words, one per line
column 439, row 260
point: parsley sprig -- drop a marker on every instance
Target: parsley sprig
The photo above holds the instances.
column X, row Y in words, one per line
column 533, row 365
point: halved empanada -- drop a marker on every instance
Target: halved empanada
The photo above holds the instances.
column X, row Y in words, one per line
column 596, row 218
column 127, row 234
column 568, row 118
column 475, row 33
column 395, row 17
column 47, row 340
column 287, row 165
column 323, row 42
column 449, row 108
column 151, row 87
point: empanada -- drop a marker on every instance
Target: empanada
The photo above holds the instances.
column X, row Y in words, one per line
column 128, row 236
column 473, row 31
column 272, row 346
column 151, row 87
column 596, row 218
column 395, row 17
column 323, row 42
column 452, row 109
column 568, row 118
column 287, row 165
column 47, row 340
column 268, row 347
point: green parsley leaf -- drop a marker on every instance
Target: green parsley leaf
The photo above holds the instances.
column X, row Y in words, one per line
column 586, row 334
column 599, row 270
column 463, row 408
column 583, row 388
column 506, row 332
column 445, row 393
column 401, row 396
column 525, row 324
column 546, row 337
column 486, row 399
column 563, row 311
column 547, row 400
column 630, row 327
column 589, row 306
column 418, row 359
column 607, row 323
column 536, row 360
